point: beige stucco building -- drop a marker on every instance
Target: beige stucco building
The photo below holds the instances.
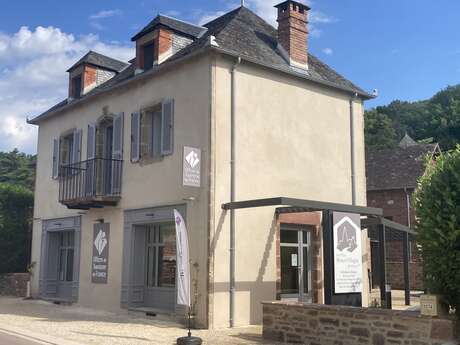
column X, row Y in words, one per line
column 167, row 131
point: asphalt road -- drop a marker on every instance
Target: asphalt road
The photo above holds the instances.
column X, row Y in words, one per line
column 8, row 339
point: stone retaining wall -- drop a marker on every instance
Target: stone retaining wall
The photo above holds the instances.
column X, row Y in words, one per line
column 313, row 324
column 14, row 284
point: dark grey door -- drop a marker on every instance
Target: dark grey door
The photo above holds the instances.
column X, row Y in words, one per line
column 65, row 261
column 295, row 263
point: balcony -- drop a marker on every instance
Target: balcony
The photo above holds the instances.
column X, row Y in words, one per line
column 95, row 183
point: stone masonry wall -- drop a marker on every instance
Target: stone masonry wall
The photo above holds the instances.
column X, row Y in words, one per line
column 14, row 284
column 313, row 324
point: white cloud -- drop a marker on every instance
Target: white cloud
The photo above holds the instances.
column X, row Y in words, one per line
column 33, row 77
column 265, row 9
column 173, row 13
column 209, row 16
column 328, row 51
column 320, row 17
column 105, row 14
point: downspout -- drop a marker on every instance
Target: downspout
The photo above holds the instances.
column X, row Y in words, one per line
column 232, row 192
column 352, row 147
column 408, row 207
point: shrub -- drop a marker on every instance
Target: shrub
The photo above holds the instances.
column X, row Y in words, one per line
column 16, row 205
column 437, row 203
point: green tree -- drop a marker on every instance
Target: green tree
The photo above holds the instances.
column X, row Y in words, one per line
column 379, row 131
column 17, row 169
column 437, row 203
column 437, row 118
column 16, row 203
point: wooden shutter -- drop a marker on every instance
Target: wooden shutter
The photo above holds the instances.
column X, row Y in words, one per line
column 91, row 147
column 90, row 188
column 167, row 124
column 117, row 153
column 76, row 154
column 117, row 148
column 135, row 136
column 55, row 173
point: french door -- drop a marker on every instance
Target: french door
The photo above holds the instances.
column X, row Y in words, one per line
column 295, row 263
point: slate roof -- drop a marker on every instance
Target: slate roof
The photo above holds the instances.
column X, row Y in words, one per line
column 174, row 24
column 238, row 33
column 245, row 34
column 397, row 168
column 100, row 60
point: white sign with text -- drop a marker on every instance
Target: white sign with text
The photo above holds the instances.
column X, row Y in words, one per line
column 348, row 264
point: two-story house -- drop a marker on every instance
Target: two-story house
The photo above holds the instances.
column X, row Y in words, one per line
column 232, row 110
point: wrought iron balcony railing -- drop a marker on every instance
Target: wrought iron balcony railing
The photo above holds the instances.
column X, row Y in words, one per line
column 92, row 183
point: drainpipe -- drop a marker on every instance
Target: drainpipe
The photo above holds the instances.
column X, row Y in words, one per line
column 408, row 207
column 352, row 147
column 232, row 192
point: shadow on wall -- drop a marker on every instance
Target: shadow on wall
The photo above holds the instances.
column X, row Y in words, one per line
column 259, row 290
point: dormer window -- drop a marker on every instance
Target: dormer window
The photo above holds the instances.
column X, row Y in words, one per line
column 76, row 86
column 91, row 71
column 148, row 55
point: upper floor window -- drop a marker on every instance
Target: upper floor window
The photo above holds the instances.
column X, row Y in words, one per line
column 77, row 86
column 66, row 150
column 152, row 132
column 148, row 55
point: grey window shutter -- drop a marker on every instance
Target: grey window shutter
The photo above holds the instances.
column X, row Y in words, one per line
column 135, row 136
column 90, row 188
column 167, row 124
column 55, row 157
column 117, row 153
column 117, row 148
column 76, row 146
column 91, row 147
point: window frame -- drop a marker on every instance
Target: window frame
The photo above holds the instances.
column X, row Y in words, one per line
column 77, row 91
column 144, row 47
column 151, row 137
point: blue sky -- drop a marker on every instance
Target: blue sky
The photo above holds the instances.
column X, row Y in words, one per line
column 406, row 49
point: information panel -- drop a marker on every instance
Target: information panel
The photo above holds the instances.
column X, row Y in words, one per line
column 100, row 260
column 348, row 264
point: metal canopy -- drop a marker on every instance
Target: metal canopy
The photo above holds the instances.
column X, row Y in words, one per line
column 374, row 218
column 305, row 205
column 366, row 223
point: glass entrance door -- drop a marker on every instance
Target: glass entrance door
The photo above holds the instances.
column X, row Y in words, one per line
column 295, row 263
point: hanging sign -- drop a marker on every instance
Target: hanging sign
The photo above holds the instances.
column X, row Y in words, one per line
column 191, row 174
column 348, row 264
column 183, row 264
column 100, row 260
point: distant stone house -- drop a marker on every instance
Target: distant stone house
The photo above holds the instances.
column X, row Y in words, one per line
column 392, row 176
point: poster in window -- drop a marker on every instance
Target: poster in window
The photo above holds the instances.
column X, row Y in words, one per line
column 100, row 260
column 348, row 265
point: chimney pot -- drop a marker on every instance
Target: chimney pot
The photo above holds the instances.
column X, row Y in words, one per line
column 293, row 32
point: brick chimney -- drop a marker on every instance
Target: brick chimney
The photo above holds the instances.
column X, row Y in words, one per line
column 293, row 32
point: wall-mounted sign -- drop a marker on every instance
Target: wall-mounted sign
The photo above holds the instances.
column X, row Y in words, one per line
column 348, row 264
column 191, row 175
column 100, row 261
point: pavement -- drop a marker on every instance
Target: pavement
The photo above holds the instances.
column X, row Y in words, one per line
column 398, row 299
column 39, row 322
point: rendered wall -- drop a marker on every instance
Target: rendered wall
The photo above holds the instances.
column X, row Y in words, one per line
column 156, row 184
column 293, row 140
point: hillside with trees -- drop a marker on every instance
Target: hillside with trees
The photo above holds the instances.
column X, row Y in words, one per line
column 434, row 120
column 17, row 172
